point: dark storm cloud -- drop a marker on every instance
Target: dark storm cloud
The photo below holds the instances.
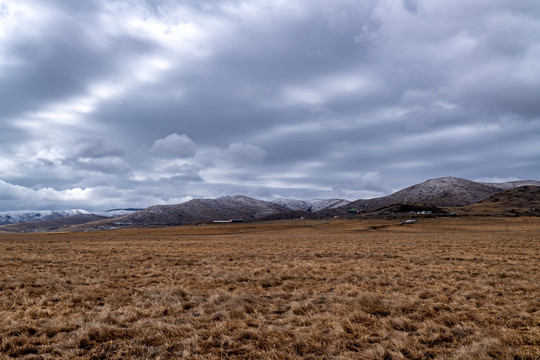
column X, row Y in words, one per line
column 129, row 104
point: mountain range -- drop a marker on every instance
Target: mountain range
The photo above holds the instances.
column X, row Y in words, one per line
column 19, row 216
column 441, row 192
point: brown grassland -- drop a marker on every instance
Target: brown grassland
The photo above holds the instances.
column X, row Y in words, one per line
column 445, row 288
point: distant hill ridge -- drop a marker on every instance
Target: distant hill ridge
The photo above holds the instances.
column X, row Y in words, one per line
column 10, row 217
column 310, row 205
column 20, row 216
column 202, row 210
column 441, row 192
column 518, row 201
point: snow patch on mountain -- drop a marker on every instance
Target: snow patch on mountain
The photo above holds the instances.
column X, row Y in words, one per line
column 310, row 205
column 250, row 207
column 445, row 191
column 293, row 204
column 116, row 212
column 19, row 216
column 12, row 217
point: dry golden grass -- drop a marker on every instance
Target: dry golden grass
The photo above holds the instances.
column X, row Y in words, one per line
column 441, row 288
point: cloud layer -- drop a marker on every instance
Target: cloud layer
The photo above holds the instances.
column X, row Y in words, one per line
column 109, row 104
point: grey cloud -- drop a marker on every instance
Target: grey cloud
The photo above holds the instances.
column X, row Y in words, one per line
column 95, row 148
column 181, row 174
column 411, row 6
column 326, row 99
column 238, row 153
column 173, row 146
column 69, row 53
column 107, row 165
column 7, row 193
column 183, row 178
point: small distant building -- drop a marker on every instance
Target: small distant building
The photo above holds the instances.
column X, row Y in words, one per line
column 352, row 212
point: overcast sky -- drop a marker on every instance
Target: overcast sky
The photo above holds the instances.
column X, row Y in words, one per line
column 107, row 104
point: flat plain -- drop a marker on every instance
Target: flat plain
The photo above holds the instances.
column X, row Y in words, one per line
column 442, row 288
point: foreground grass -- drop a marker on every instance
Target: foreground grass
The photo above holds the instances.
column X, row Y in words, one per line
column 445, row 289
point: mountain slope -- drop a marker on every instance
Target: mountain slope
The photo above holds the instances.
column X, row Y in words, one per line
column 51, row 224
column 202, row 210
column 446, row 191
column 310, row 205
column 11, row 217
column 523, row 200
column 20, row 216
column 514, row 184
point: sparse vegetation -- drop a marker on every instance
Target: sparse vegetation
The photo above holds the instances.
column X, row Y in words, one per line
column 441, row 288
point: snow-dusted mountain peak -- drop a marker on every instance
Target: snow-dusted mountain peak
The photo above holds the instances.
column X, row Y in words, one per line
column 16, row 216
column 310, row 205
